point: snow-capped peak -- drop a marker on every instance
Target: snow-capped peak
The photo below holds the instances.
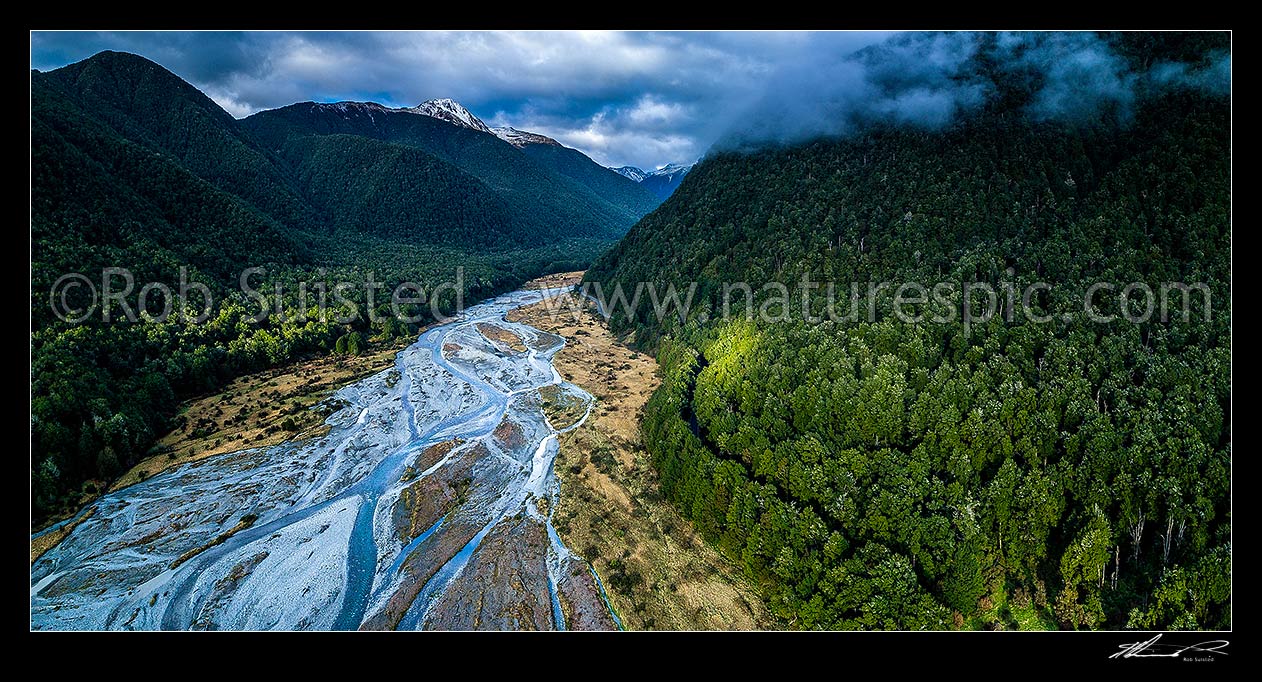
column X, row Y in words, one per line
column 521, row 138
column 631, row 173
column 451, row 111
column 672, row 169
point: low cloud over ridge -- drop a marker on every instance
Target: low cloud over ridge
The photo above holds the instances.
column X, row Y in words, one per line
column 649, row 98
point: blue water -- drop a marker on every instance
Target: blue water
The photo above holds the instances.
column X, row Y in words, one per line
column 415, row 615
column 183, row 590
column 605, row 596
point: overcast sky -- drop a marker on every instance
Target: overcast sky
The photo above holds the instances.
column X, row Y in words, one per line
column 644, row 99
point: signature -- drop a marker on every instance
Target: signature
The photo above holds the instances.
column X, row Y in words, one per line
column 1152, row 649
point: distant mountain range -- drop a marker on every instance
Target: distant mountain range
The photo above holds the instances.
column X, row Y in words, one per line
column 630, row 172
column 540, row 190
column 119, row 140
column 661, row 182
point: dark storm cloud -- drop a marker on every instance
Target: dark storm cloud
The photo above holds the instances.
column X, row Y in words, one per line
column 913, row 79
column 1215, row 76
column 928, row 79
column 646, row 99
column 1081, row 74
column 625, row 98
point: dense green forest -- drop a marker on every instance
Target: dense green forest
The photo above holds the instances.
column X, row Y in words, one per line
column 556, row 195
column 134, row 168
column 575, row 165
column 882, row 473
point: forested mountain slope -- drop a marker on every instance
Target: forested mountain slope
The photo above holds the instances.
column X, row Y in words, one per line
column 887, row 473
column 552, row 204
column 145, row 103
column 575, row 165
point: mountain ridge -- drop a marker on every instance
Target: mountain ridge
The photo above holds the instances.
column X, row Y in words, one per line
column 630, row 172
column 562, row 201
column 662, row 182
column 522, row 138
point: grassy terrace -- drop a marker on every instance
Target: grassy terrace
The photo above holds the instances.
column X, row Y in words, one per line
column 658, row 572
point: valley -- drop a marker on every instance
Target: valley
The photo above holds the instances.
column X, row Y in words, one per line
column 135, row 168
column 659, row 572
column 427, row 369
column 427, row 503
